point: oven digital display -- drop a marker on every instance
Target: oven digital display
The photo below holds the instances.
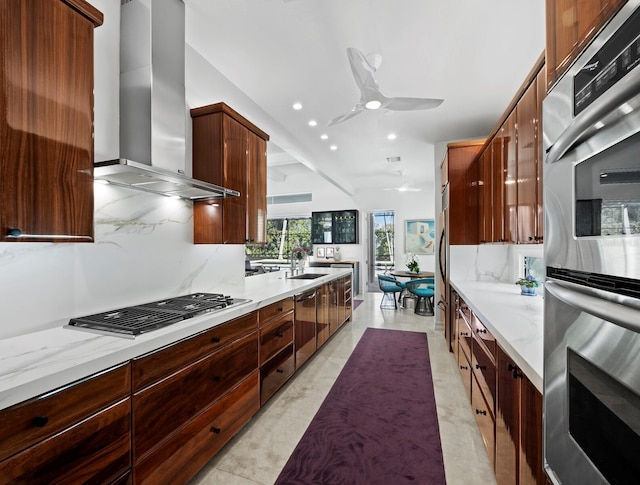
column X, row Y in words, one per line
column 617, row 57
column 604, row 419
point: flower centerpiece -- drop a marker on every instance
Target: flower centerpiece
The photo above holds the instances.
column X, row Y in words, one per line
column 412, row 263
column 528, row 285
column 300, row 254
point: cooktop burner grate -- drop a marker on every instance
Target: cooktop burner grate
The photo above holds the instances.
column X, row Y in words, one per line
column 139, row 319
column 131, row 320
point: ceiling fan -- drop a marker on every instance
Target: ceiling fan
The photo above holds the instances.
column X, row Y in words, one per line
column 370, row 95
column 404, row 186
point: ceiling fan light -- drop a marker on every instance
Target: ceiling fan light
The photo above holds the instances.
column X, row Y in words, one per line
column 373, row 104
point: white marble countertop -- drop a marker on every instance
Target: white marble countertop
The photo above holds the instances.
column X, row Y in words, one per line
column 515, row 321
column 39, row 362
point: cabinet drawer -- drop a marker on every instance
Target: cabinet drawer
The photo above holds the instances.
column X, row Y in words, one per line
column 275, row 373
column 31, row 421
column 484, row 370
column 96, row 450
column 483, row 335
column 465, row 337
column 484, row 419
column 160, row 363
column 275, row 309
column 275, row 336
column 177, row 460
column 465, row 371
column 161, row 409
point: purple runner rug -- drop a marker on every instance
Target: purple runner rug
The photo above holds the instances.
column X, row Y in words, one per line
column 378, row 424
column 357, row 303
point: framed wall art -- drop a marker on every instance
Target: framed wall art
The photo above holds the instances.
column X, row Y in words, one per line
column 320, row 253
column 419, row 236
column 330, row 253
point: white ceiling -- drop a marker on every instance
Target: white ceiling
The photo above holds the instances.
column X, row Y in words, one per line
column 473, row 54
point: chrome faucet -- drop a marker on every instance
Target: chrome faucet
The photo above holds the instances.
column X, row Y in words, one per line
column 294, row 263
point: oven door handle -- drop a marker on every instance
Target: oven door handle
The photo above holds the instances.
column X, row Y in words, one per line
column 626, row 89
column 621, row 315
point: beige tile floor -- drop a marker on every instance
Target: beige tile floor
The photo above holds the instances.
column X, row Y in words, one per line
column 260, row 450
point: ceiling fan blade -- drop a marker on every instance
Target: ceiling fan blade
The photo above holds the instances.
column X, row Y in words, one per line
column 362, row 71
column 355, row 111
column 408, row 104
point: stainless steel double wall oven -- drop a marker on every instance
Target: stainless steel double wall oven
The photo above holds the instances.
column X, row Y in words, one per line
column 591, row 125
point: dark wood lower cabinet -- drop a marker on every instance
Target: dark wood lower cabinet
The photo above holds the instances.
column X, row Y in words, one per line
column 505, row 403
column 180, row 457
column 96, row 450
column 161, row 409
column 518, row 427
column 276, row 372
column 531, row 456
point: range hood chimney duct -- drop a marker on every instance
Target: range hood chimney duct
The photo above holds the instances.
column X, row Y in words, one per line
column 153, row 112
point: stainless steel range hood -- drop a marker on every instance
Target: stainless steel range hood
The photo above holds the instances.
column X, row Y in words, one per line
column 153, row 111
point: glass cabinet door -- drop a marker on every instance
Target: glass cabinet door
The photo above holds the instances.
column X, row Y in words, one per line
column 321, row 228
column 345, row 227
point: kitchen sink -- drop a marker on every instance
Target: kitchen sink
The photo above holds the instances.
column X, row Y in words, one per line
column 307, row 276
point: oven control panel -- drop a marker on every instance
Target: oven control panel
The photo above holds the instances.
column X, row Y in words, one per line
column 617, row 57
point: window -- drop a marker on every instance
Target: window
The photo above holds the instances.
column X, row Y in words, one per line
column 283, row 235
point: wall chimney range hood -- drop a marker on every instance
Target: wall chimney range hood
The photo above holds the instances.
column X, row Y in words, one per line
column 153, row 111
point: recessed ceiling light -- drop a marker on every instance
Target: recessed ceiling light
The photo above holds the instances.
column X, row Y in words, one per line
column 373, row 104
column 297, row 106
column 333, row 147
column 324, row 136
column 313, row 122
column 393, row 159
column 391, row 136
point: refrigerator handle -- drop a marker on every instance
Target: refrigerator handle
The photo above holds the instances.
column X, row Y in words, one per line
column 440, row 248
column 610, row 311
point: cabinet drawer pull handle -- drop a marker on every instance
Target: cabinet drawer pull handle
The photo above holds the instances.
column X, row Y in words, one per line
column 464, row 367
column 40, row 421
column 215, row 430
column 280, row 308
column 481, row 367
column 279, row 371
column 281, row 335
column 216, row 378
column 464, row 334
column 216, row 340
column 481, row 330
column 14, row 233
column 484, row 413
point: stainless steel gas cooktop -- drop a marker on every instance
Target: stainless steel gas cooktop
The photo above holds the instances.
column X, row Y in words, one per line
column 135, row 320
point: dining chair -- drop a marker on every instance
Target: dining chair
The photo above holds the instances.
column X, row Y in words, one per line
column 389, row 287
column 423, row 288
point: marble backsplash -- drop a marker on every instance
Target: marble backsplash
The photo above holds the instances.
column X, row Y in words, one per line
column 143, row 251
column 490, row 262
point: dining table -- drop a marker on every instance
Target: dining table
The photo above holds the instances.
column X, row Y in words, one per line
column 409, row 274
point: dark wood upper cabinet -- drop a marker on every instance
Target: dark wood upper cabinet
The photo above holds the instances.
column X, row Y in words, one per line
column 571, row 25
column 46, row 120
column 230, row 151
column 527, row 183
column 509, row 179
column 463, row 180
column 541, row 86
